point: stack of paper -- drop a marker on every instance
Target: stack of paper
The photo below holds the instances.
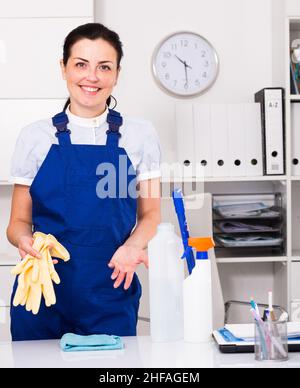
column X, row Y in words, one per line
column 247, row 210
column 230, row 241
column 243, row 227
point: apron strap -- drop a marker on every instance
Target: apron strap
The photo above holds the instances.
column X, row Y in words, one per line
column 60, row 122
column 115, row 121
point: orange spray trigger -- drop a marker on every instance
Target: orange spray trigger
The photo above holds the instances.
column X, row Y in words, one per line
column 202, row 246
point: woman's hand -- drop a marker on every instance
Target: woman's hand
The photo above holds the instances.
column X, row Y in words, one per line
column 124, row 261
column 25, row 247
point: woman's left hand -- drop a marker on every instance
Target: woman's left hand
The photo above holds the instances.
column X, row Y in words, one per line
column 124, row 261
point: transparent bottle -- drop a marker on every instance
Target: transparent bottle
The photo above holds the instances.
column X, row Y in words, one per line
column 166, row 275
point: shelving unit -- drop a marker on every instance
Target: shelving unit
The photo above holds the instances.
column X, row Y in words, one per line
column 293, row 179
column 242, row 276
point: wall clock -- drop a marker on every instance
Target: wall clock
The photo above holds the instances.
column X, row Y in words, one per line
column 185, row 64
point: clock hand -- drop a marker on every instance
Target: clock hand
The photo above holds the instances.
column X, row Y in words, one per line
column 180, row 59
column 186, row 75
column 184, row 62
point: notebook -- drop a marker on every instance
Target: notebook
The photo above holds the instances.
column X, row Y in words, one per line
column 240, row 338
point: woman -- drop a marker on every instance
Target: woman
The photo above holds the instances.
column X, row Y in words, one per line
column 74, row 177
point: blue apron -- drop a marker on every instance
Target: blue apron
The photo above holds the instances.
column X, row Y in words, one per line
column 65, row 204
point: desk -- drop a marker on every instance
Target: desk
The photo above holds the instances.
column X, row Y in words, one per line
column 139, row 352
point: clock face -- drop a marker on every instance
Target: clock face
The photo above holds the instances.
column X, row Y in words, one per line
column 185, row 64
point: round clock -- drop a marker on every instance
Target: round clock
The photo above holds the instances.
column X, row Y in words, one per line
column 185, row 64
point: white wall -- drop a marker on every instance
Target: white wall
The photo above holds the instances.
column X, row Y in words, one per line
column 292, row 7
column 278, row 47
column 241, row 32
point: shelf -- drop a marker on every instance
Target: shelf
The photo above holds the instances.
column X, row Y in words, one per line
column 296, row 255
column 231, row 260
column 294, row 18
column 247, row 179
column 227, row 179
column 294, row 97
column 8, row 259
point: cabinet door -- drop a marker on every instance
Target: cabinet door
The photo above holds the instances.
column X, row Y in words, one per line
column 14, row 115
column 29, row 65
column 6, row 285
column 295, row 274
column 53, row 8
column 4, row 324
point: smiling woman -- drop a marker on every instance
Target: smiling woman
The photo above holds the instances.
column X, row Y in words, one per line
column 55, row 169
column 91, row 68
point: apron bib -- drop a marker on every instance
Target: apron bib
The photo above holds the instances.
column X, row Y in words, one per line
column 69, row 200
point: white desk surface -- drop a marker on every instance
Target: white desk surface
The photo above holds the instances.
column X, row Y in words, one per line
column 139, row 352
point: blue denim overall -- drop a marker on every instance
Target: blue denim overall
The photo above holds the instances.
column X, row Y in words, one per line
column 65, row 204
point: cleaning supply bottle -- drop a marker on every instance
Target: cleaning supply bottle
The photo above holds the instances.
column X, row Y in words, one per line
column 166, row 274
column 197, row 295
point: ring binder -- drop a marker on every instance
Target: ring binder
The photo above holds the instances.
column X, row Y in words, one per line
column 273, row 129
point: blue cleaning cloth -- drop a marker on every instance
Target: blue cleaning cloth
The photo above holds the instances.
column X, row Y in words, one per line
column 77, row 343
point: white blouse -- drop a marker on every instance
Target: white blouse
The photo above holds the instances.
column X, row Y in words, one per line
column 139, row 139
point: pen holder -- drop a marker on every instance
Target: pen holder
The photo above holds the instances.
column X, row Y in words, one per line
column 271, row 342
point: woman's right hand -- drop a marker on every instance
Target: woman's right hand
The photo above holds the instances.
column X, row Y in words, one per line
column 25, row 247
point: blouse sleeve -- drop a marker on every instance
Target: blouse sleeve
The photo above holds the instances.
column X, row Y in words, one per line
column 28, row 154
column 149, row 166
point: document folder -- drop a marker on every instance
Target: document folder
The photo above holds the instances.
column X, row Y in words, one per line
column 295, row 117
column 273, row 129
column 253, row 137
column 185, row 138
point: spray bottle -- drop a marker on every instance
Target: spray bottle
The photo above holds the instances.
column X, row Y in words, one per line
column 197, row 294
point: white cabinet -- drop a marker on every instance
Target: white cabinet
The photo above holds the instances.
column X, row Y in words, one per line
column 4, row 324
column 53, row 8
column 29, row 67
column 13, row 117
column 295, row 281
column 6, row 285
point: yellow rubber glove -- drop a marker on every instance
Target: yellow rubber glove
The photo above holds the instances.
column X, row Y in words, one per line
column 48, row 274
column 38, row 243
column 34, row 295
column 57, row 250
column 23, row 285
column 45, row 279
column 36, row 275
column 27, row 269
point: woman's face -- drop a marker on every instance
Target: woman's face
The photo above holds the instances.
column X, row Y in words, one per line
column 91, row 73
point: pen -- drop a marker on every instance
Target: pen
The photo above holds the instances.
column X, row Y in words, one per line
column 272, row 314
column 254, row 306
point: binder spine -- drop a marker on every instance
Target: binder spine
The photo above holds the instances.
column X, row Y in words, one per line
column 260, row 97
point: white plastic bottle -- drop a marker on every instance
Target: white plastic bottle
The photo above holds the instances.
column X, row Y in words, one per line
column 166, row 274
column 197, row 295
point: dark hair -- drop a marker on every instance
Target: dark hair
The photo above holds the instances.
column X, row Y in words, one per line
column 92, row 31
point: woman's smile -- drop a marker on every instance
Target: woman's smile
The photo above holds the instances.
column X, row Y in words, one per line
column 89, row 90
